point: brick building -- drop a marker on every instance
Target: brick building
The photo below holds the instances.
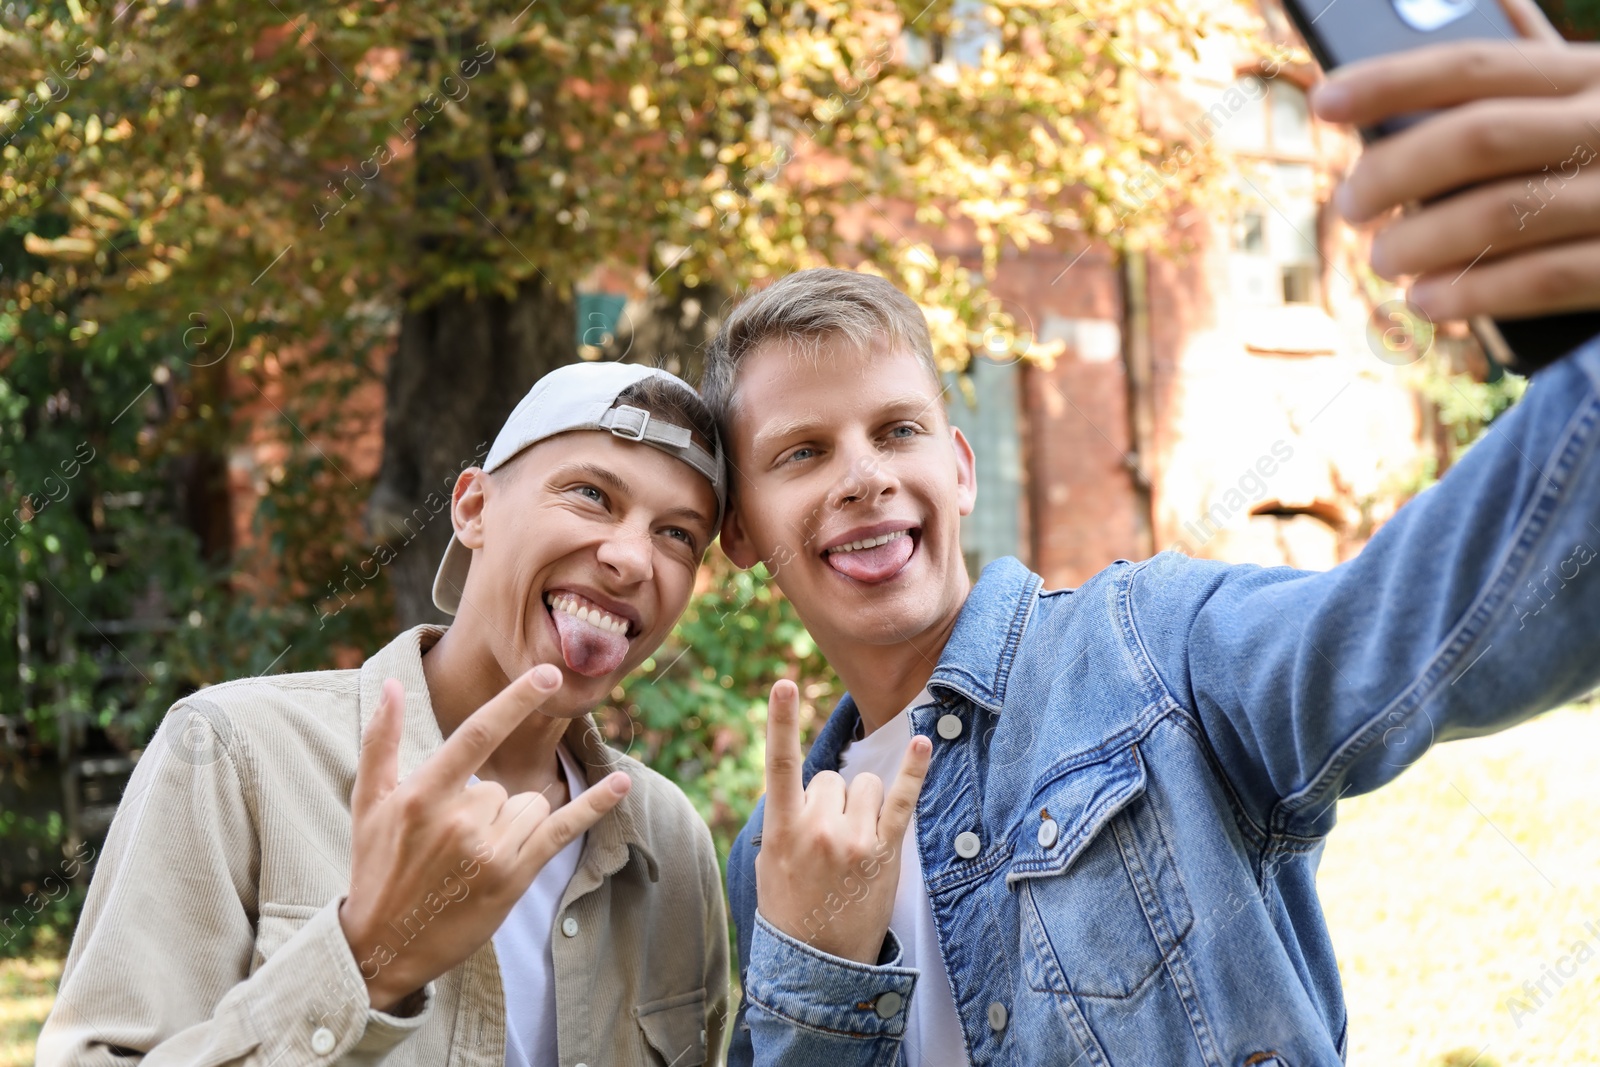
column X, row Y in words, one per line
column 1232, row 402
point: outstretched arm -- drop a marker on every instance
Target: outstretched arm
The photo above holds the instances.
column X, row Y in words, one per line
column 1475, row 607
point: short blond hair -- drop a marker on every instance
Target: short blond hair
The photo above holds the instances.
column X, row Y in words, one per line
column 810, row 307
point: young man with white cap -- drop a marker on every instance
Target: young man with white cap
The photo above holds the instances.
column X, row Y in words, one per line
column 434, row 858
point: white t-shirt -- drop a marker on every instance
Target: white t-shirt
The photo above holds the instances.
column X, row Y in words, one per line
column 522, row 945
column 933, row 1032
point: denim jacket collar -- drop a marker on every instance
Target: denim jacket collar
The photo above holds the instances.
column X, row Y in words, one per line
column 975, row 663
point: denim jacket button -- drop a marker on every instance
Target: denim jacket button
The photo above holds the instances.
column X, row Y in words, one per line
column 949, row 727
column 967, row 844
column 888, row 1004
column 997, row 1016
column 1049, row 831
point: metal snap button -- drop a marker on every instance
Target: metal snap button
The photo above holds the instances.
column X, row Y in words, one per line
column 888, row 1004
column 1049, row 832
column 967, row 844
column 949, row 727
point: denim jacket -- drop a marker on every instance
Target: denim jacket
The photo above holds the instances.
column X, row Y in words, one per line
column 1151, row 763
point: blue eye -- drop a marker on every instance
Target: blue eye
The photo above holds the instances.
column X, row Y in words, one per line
column 801, row 453
column 597, row 496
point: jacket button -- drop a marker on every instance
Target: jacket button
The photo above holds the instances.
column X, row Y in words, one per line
column 569, row 926
column 997, row 1016
column 1049, row 831
column 322, row 1041
column 888, row 1004
column 949, row 727
column 967, row 844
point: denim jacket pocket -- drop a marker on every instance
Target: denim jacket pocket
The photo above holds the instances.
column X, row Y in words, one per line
column 1101, row 900
column 676, row 1028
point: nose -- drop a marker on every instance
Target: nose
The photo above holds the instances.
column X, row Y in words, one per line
column 628, row 554
column 866, row 475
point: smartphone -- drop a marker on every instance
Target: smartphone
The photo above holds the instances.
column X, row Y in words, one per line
column 1342, row 31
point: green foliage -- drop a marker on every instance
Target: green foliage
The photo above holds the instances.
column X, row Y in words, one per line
column 1578, row 20
column 1464, row 406
column 117, row 605
column 42, row 926
column 214, row 217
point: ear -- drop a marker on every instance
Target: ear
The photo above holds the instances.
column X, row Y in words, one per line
column 966, row 472
column 736, row 544
column 466, row 506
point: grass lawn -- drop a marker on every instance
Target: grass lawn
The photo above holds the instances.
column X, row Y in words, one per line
column 1475, row 872
column 26, row 989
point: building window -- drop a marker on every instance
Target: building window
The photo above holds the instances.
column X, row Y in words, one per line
column 971, row 30
column 1273, row 241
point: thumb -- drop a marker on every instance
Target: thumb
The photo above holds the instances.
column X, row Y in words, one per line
column 378, row 767
column 901, row 802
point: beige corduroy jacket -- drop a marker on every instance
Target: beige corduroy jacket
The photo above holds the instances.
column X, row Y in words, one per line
column 211, row 933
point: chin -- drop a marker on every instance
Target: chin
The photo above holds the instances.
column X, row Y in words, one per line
column 573, row 699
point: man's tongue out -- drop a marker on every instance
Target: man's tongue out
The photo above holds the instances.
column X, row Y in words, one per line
column 873, row 563
column 588, row 649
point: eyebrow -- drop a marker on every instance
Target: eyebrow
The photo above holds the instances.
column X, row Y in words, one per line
column 611, row 479
column 614, row 481
column 919, row 402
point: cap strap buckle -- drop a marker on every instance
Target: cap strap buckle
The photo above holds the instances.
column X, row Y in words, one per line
column 628, row 422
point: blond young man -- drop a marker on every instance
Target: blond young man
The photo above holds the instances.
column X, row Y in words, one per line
column 1082, row 826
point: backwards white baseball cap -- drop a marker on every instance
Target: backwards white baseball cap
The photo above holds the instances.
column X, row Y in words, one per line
column 583, row 396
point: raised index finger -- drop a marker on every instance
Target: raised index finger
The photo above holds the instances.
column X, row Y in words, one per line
column 784, row 793
column 464, row 751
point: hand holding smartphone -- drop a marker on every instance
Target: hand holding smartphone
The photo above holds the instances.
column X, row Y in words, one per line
column 1541, row 282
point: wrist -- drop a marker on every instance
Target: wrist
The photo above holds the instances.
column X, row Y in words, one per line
column 384, row 989
column 829, row 938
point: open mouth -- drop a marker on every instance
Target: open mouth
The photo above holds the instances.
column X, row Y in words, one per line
column 874, row 558
column 594, row 640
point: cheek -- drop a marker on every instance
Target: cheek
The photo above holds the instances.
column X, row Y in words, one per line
column 674, row 586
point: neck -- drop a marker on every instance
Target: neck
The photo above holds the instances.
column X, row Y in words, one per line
column 884, row 679
column 463, row 675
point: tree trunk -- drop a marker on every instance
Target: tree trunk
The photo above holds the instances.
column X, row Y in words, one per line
column 460, row 367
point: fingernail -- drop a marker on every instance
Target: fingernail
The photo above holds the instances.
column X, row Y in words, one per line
column 1331, row 101
column 621, row 783
column 546, row 675
column 1345, row 202
column 1424, row 296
